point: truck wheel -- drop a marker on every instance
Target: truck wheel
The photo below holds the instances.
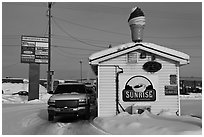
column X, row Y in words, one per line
column 87, row 115
column 50, row 117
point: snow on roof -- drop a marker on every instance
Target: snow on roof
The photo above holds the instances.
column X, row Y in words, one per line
column 103, row 55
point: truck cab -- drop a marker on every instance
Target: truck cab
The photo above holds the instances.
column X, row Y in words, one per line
column 69, row 99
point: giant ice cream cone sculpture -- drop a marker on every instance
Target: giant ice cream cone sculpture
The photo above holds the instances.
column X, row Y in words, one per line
column 137, row 22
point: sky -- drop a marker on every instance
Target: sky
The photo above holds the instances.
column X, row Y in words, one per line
column 82, row 28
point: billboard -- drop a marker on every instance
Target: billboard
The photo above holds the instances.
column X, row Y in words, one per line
column 34, row 49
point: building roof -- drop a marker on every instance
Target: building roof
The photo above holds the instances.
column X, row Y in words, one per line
column 172, row 54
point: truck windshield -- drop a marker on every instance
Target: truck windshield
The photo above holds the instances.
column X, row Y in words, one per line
column 69, row 89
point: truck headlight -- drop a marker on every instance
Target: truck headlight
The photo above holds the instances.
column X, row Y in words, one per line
column 82, row 100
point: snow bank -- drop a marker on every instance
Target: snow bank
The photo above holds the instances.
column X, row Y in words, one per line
column 149, row 124
column 10, row 88
column 191, row 107
column 191, row 96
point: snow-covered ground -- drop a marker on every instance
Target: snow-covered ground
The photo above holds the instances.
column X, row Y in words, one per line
column 149, row 124
column 192, row 107
column 31, row 119
column 22, row 117
column 28, row 117
column 191, row 96
column 10, row 88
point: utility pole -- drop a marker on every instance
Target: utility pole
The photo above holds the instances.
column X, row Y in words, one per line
column 49, row 50
column 81, row 68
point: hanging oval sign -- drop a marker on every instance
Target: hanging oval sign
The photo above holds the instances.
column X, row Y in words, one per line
column 152, row 66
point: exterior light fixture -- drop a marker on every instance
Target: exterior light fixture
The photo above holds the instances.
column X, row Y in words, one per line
column 143, row 55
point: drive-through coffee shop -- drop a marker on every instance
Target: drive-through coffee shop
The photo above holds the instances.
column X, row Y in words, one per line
column 138, row 76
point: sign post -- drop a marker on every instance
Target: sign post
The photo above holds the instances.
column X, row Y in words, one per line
column 34, row 76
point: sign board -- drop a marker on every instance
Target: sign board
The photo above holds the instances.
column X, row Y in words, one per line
column 138, row 88
column 132, row 96
column 152, row 66
column 34, row 49
column 171, row 90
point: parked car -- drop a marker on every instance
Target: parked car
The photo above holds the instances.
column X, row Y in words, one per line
column 69, row 99
column 21, row 93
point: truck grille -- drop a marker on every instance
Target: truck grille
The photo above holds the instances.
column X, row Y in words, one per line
column 66, row 103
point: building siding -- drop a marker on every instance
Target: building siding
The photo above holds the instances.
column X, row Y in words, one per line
column 107, row 83
column 106, row 91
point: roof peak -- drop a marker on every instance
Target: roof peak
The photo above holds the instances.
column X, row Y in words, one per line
column 149, row 47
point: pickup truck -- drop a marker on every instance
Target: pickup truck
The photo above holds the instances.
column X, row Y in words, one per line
column 69, row 99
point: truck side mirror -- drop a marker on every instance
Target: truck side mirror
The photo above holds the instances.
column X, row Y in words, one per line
column 50, row 92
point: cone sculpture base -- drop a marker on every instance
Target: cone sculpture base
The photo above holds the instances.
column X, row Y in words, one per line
column 137, row 32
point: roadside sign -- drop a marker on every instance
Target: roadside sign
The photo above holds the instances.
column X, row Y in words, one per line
column 34, row 49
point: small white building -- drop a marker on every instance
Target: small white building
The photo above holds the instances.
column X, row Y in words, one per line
column 137, row 76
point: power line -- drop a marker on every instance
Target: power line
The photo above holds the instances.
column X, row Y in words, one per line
column 107, row 9
column 184, row 46
column 74, row 48
column 59, row 47
column 67, row 52
column 11, row 45
column 46, row 29
column 181, row 37
column 10, row 35
column 70, row 22
column 54, row 36
column 11, row 65
column 168, row 46
column 74, row 37
column 124, row 34
column 75, row 54
column 196, row 57
column 65, row 55
column 90, row 40
column 72, row 55
column 42, row 4
column 10, row 38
